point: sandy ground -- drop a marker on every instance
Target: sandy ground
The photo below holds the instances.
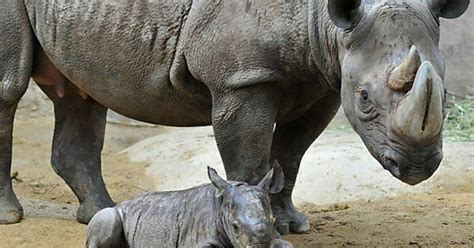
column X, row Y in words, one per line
column 431, row 217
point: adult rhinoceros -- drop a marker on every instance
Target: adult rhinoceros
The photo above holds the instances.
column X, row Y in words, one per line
column 241, row 66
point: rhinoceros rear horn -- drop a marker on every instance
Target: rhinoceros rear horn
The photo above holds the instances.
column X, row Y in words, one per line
column 344, row 13
column 449, row 8
column 402, row 77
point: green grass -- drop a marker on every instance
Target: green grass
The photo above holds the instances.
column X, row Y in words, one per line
column 459, row 123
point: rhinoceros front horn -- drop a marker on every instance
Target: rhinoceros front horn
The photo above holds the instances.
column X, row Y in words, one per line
column 419, row 116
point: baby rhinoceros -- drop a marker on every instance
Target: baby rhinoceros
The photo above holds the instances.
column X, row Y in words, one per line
column 221, row 214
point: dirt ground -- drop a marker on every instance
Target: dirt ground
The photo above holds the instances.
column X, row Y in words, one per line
column 441, row 218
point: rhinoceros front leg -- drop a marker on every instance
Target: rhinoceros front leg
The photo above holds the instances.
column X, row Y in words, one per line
column 243, row 125
column 77, row 145
column 290, row 142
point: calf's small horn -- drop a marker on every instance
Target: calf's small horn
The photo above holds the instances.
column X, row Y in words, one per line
column 402, row 77
column 419, row 116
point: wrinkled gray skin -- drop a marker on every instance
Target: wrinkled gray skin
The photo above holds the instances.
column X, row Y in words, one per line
column 241, row 66
column 221, row 214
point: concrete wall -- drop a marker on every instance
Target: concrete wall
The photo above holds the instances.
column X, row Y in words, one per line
column 457, row 46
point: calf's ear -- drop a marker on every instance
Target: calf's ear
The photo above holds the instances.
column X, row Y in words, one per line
column 274, row 181
column 344, row 13
column 217, row 181
column 449, row 8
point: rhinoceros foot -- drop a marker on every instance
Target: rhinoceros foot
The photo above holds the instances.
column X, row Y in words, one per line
column 291, row 221
column 11, row 211
column 90, row 207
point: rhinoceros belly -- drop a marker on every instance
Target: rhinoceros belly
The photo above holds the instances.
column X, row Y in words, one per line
column 120, row 53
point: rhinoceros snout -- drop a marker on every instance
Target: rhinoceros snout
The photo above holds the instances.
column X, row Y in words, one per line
column 411, row 171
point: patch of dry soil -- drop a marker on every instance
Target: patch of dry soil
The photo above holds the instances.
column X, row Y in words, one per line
column 432, row 219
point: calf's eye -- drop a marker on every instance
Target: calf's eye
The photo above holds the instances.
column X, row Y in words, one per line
column 235, row 226
column 364, row 95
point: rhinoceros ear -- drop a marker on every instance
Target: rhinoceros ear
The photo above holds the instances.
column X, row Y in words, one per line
column 449, row 8
column 274, row 181
column 217, row 181
column 344, row 13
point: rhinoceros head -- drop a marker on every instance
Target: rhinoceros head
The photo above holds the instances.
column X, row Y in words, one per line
column 392, row 79
column 246, row 212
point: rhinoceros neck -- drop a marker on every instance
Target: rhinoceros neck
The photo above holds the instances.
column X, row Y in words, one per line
column 204, row 216
column 323, row 43
column 222, row 236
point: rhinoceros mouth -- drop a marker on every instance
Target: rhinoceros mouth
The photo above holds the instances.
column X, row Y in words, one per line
column 412, row 169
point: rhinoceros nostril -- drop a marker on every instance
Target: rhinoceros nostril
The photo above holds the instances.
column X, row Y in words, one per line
column 391, row 164
column 394, row 167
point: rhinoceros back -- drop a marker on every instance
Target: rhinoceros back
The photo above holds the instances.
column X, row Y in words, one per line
column 118, row 52
column 101, row 32
column 170, row 219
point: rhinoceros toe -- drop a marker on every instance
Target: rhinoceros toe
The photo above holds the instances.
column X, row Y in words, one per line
column 294, row 222
column 11, row 211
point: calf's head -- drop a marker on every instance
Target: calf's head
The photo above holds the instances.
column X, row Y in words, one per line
column 392, row 79
column 246, row 212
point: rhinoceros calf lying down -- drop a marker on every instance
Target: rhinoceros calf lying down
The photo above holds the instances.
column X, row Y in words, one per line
column 221, row 214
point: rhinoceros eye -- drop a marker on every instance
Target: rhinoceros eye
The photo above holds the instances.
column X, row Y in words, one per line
column 364, row 95
column 367, row 110
column 235, row 227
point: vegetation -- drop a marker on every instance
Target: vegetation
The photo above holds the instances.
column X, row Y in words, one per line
column 459, row 123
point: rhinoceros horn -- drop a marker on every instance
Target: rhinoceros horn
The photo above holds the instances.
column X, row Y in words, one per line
column 419, row 116
column 401, row 79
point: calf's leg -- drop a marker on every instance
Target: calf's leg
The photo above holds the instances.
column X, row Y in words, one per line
column 105, row 230
column 290, row 142
column 77, row 145
column 16, row 59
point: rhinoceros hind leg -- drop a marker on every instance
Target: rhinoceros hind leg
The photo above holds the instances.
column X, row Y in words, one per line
column 16, row 59
column 290, row 142
column 10, row 208
column 77, row 145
